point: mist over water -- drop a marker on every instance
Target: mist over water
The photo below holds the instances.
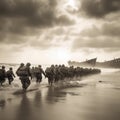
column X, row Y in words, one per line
column 78, row 99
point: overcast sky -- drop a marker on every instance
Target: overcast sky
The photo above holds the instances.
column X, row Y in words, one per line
column 55, row 31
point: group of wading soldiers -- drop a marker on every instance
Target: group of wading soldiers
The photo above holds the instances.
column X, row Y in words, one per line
column 54, row 73
column 6, row 74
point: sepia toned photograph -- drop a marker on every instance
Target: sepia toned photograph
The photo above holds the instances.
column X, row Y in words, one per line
column 59, row 59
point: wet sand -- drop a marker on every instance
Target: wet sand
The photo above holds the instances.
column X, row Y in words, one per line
column 93, row 101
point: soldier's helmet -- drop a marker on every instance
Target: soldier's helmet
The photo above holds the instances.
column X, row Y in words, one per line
column 28, row 64
column 39, row 66
column 3, row 67
column 22, row 64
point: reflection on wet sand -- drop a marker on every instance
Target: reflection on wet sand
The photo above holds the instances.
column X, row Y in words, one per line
column 95, row 101
column 24, row 111
column 38, row 99
column 2, row 104
column 39, row 106
column 55, row 95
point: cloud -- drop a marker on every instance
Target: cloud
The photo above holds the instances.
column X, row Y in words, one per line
column 100, row 42
column 35, row 13
column 106, row 37
column 45, row 24
column 20, row 19
column 54, row 38
column 107, row 29
column 99, row 8
column 112, row 50
column 102, row 35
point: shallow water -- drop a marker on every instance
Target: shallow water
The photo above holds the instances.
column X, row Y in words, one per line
column 86, row 99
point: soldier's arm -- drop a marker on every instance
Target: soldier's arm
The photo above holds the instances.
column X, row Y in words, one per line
column 29, row 73
column 43, row 72
column 13, row 74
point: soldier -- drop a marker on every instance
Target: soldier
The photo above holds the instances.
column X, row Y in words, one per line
column 2, row 75
column 24, row 74
column 38, row 73
column 50, row 74
column 33, row 72
column 10, row 75
column 18, row 70
column 56, row 73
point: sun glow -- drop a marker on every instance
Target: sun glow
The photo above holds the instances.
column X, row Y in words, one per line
column 60, row 55
column 71, row 4
column 52, row 56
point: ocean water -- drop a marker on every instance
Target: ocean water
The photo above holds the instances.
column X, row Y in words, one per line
column 77, row 99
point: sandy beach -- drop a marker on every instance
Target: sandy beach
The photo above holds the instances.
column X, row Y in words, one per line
column 86, row 99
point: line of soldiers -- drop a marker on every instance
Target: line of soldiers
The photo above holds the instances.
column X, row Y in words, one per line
column 24, row 72
column 54, row 73
column 37, row 72
column 6, row 74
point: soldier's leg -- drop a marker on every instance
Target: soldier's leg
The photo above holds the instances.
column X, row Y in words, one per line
column 40, row 79
column 23, row 82
column 9, row 80
column 27, row 84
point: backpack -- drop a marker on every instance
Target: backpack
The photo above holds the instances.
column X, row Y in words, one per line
column 8, row 73
column 2, row 73
column 36, row 70
column 49, row 71
column 22, row 71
